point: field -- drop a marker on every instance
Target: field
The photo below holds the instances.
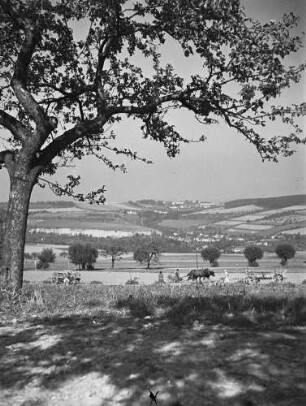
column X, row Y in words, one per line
column 297, row 230
column 84, row 219
column 118, row 219
column 95, row 345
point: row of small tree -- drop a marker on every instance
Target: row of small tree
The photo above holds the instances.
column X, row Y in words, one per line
column 253, row 253
column 82, row 255
column 85, row 255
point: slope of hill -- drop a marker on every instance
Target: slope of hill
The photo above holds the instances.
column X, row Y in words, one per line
column 259, row 216
column 268, row 202
column 75, row 218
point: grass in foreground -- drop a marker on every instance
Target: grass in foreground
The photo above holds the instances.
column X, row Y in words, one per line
column 238, row 305
column 95, row 344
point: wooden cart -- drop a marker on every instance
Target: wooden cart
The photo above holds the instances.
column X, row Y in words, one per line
column 276, row 276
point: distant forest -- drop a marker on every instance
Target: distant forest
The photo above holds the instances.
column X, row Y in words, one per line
column 128, row 243
column 268, row 202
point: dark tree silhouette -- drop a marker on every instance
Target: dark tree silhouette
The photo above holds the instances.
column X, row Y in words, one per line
column 285, row 251
column 211, row 254
column 83, row 255
column 252, row 254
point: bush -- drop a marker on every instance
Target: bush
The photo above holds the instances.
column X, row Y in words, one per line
column 42, row 265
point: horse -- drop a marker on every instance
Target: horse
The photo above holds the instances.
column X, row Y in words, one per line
column 198, row 274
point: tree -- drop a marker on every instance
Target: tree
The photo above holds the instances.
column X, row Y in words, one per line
column 1, row 235
column 252, row 254
column 45, row 258
column 83, row 255
column 285, row 251
column 60, row 93
column 115, row 251
column 147, row 254
column 211, row 254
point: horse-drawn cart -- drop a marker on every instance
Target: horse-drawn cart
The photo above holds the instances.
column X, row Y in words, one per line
column 66, row 278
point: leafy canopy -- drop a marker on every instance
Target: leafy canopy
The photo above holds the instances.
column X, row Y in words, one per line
column 210, row 253
column 84, row 255
column 285, row 251
column 147, row 253
column 253, row 253
column 73, row 68
column 111, row 248
column 45, row 258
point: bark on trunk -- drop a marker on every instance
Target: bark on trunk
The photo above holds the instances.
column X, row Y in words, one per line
column 15, row 229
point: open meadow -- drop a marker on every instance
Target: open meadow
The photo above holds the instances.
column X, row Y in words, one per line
column 95, row 345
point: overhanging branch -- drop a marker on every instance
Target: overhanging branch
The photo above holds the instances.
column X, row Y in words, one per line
column 19, row 131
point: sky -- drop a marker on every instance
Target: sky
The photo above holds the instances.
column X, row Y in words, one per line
column 224, row 167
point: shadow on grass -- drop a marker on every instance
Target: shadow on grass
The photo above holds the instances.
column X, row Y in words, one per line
column 213, row 349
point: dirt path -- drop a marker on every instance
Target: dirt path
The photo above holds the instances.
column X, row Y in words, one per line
column 111, row 359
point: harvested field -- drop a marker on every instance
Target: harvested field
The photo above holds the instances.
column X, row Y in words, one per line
column 253, row 227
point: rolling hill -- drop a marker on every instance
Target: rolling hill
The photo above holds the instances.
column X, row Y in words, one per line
column 262, row 216
column 269, row 202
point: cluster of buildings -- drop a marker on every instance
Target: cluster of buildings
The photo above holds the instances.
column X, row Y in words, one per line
column 226, row 243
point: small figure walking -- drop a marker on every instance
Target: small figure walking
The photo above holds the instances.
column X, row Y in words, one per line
column 226, row 276
column 177, row 276
column 161, row 277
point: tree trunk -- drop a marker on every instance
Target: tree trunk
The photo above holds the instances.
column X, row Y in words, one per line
column 113, row 262
column 15, row 229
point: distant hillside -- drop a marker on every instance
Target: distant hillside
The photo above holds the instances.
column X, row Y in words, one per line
column 43, row 205
column 269, row 202
column 55, row 204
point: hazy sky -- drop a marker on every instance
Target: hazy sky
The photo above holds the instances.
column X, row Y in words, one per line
column 223, row 167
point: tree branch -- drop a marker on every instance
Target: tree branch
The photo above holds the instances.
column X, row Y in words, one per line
column 19, row 131
column 96, row 196
column 147, row 108
column 66, row 95
column 19, row 79
column 69, row 137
